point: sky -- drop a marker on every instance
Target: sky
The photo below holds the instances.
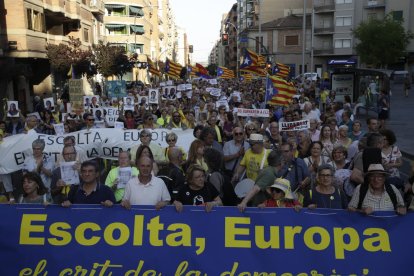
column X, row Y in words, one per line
column 201, row 20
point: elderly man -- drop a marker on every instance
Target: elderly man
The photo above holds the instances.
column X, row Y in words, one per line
column 175, row 122
column 376, row 195
column 145, row 137
column 59, row 188
column 273, row 136
column 90, row 191
column 234, row 150
column 32, row 123
column 254, row 160
column 146, row 189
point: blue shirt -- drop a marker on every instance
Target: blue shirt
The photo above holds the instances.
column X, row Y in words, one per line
column 101, row 193
column 295, row 171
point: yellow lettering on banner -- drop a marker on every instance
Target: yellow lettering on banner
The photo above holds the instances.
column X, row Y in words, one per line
column 40, row 268
column 379, row 237
column 200, row 245
column 66, row 272
column 80, row 234
column 290, row 233
column 231, row 231
column 182, row 270
column 154, row 227
column 232, row 272
column 182, row 237
column 138, row 222
column 308, row 237
column 109, row 234
column 136, row 272
column 274, row 237
column 341, row 245
column 61, row 237
column 26, row 227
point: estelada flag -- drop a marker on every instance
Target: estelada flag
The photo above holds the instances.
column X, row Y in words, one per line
column 279, row 91
column 224, row 73
column 281, row 70
column 172, row 69
column 152, row 68
column 252, row 63
column 192, row 70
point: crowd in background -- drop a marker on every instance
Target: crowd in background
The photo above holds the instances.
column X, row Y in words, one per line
column 233, row 160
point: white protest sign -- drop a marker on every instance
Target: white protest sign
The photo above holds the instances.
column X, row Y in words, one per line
column 212, row 81
column 244, row 112
column 169, row 82
column 111, row 115
column 215, row 92
column 162, row 84
column 106, row 143
column 222, row 102
column 294, row 126
column 59, row 129
column 181, row 87
column 188, row 86
column 119, row 125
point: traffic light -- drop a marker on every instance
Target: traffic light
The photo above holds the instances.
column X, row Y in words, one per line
column 225, row 39
column 190, row 49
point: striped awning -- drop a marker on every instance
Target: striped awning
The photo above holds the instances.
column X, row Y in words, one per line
column 114, row 6
column 136, row 11
column 137, row 29
column 115, row 26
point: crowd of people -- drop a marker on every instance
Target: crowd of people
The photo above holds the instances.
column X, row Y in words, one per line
column 233, row 160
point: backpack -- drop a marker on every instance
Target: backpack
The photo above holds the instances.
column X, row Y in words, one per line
column 364, row 189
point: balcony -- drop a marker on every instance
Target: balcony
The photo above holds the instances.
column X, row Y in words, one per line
column 370, row 4
column 324, row 7
column 97, row 7
column 323, row 52
column 55, row 6
column 323, row 30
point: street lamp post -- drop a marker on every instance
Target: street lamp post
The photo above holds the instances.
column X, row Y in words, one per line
column 237, row 46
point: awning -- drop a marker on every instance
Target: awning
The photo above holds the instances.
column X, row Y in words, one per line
column 136, row 11
column 115, row 26
column 137, row 29
column 114, row 6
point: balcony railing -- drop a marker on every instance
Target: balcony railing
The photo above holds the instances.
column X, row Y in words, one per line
column 97, row 7
column 324, row 6
column 324, row 30
column 324, row 51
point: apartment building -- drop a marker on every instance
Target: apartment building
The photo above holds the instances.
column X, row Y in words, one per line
column 27, row 27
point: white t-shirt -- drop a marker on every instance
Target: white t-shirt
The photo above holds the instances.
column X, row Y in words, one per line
column 146, row 194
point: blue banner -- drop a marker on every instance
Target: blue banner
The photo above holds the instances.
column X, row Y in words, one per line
column 91, row 240
column 116, row 89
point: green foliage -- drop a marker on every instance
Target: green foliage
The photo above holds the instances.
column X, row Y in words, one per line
column 212, row 69
column 62, row 56
column 112, row 60
column 381, row 42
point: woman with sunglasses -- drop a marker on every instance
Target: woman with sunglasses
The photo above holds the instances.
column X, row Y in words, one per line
column 281, row 195
column 148, row 122
column 325, row 194
column 171, row 139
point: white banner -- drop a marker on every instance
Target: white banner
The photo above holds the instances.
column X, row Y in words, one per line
column 244, row 112
column 294, row 126
column 104, row 142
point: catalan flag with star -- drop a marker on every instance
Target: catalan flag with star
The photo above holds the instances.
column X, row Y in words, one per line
column 224, row 73
column 172, row 69
column 192, row 71
column 279, row 91
column 253, row 63
column 281, row 70
column 152, row 68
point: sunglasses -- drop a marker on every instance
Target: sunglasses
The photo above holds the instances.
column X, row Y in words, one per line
column 276, row 190
column 171, row 140
column 238, row 133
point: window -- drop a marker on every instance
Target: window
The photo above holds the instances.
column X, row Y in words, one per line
column 136, row 48
column 344, row 21
column 344, row 1
column 291, row 40
column 397, row 15
column 35, row 20
column 86, row 34
column 116, row 29
column 342, row 43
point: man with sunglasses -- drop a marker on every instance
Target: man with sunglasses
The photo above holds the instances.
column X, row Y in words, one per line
column 89, row 121
column 234, row 150
column 176, row 122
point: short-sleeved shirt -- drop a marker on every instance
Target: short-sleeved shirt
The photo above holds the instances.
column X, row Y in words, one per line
column 265, row 179
column 296, row 171
column 230, row 148
column 187, row 196
column 112, row 176
column 253, row 162
column 100, row 194
column 146, row 194
column 377, row 203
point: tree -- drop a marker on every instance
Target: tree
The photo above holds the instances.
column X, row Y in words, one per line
column 111, row 60
column 381, row 42
column 212, row 69
column 63, row 56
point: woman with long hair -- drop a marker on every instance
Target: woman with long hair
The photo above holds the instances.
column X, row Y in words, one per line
column 327, row 140
column 34, row 191
column 196, row 155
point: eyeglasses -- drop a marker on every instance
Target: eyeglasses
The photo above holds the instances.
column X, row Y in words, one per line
column 276, row 190
column 91, row 120
column 144, row 136
column 325, row 175
column 250, row 129
column 37, row 148
column 238, row 133
column 171, row 140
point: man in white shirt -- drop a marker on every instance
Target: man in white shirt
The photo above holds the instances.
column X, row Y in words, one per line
column 146, row 189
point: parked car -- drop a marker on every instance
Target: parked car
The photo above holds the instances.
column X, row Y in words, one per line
column 310, row 76
column 399, row 76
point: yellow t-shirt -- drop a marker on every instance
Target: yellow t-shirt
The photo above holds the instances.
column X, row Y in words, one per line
column 252, row 161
